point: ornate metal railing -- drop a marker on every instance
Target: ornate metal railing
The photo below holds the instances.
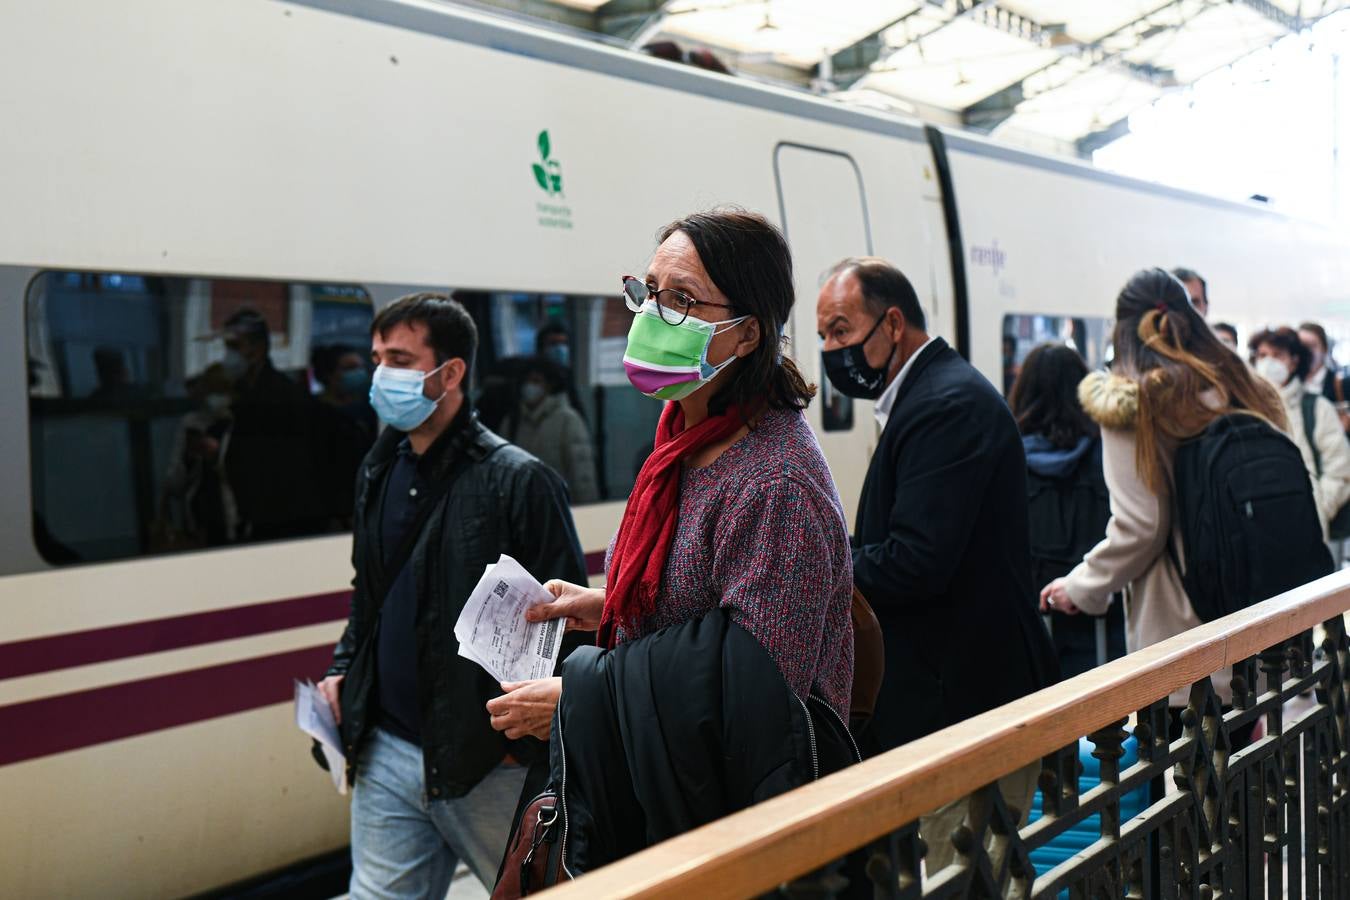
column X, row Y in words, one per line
column 1266, row 818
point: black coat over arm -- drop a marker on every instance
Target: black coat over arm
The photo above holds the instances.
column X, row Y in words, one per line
column 940, row 550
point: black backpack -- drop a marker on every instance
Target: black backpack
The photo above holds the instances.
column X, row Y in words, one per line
column 1248, row 521
column 1067, row 516
column 1340, row 525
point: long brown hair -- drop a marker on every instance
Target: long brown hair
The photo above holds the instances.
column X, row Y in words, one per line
column 1164, row 346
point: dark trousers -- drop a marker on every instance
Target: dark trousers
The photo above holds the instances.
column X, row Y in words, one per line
column 1240, row 738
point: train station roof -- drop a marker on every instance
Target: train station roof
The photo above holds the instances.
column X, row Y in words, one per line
column 1068, row 72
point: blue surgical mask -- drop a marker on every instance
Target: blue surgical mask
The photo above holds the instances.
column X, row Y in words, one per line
column 397, row 397
column 559, row 353
column 354, row 382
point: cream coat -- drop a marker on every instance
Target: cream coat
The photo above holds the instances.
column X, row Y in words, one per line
column 1332, row 488
column 1133, row 556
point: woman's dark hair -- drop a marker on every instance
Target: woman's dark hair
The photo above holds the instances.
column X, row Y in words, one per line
column 1044, row 398
column 749, row 261
column 1285, row 339
column 1163, row 345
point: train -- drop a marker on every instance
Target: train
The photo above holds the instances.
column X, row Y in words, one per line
column 168, row 163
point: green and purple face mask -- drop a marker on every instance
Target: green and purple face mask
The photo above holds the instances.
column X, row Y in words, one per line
column 670, row 362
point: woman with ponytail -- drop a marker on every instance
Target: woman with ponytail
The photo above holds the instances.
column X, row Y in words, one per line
column 1171, row 378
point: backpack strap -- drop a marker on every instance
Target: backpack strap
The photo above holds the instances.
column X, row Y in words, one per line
column 1308, row 402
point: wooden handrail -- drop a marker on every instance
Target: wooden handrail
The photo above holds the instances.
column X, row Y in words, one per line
column 759, row 848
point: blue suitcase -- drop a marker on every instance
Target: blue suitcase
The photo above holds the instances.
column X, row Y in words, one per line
column 1087, row 832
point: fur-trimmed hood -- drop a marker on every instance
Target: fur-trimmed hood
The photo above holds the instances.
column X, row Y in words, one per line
column 1111, row 401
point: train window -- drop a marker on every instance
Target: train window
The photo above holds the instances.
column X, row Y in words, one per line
column 836, row 409
column 172, row 413
column 1089, row 335
column 550, row 378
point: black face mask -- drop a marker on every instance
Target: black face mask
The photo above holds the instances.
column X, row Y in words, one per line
column 850, row 372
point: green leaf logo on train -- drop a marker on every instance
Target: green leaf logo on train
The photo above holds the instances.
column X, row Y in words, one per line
column 547, row 172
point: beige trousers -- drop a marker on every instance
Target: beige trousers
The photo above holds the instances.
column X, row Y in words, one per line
column 1018, row 790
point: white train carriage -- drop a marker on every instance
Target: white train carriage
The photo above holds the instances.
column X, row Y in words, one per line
column 168, row 162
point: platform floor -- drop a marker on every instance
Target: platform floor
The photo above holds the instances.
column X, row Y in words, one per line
column 464, row 887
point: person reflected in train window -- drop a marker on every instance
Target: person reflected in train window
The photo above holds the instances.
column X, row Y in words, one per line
column 1282, row 359
column 1068, row 505
column 545, row 424
column 344, row 426
column 499, row 391
column 732, row 556
column 1010, row 367
column 553, row 342
column 115, row 384
column 1171, row 379
column 343, row 374
column 940, row 544
column 440, row 498
column 1227, row 335
column 1196, row 289
column 269, row 464
column 197, row 506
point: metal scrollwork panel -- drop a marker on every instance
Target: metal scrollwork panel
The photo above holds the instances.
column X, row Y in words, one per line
column 1248, row 798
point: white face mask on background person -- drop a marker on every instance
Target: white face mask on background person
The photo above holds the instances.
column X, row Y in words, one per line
column 1273, row 370
column 532, row 392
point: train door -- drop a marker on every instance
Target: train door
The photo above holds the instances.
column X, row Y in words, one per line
column 823, row 206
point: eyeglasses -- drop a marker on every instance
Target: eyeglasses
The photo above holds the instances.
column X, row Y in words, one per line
column 672, row 305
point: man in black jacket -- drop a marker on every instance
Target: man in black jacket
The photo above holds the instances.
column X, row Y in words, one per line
column 438, row 498
column 940, row 546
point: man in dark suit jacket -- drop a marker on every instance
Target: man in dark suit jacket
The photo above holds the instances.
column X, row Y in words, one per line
column 940, row 546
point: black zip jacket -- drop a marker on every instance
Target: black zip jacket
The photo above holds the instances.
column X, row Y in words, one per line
column 503, row 501
column 671, row 731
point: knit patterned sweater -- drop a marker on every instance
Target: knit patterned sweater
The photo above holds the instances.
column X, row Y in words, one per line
column 761, row 532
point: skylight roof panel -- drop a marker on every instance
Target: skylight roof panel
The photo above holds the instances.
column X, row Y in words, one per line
column 1083, row 106
column 1084, row 20
column 959, row 65
column 797, row 32
column 1209, row 41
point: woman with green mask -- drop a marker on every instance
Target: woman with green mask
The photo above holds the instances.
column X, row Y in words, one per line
column 735, row 509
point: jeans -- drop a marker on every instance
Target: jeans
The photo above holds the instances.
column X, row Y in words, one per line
column 405, row 845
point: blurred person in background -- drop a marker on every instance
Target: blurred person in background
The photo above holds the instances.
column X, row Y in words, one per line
column 1196, row 289
column 1283, row 360
column 1324, row 376
column 1227, row 336
column 545, row 424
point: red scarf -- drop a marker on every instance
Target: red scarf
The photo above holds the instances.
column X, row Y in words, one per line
column 648, row 525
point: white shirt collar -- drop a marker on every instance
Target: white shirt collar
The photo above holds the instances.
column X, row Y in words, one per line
column 884, row 403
